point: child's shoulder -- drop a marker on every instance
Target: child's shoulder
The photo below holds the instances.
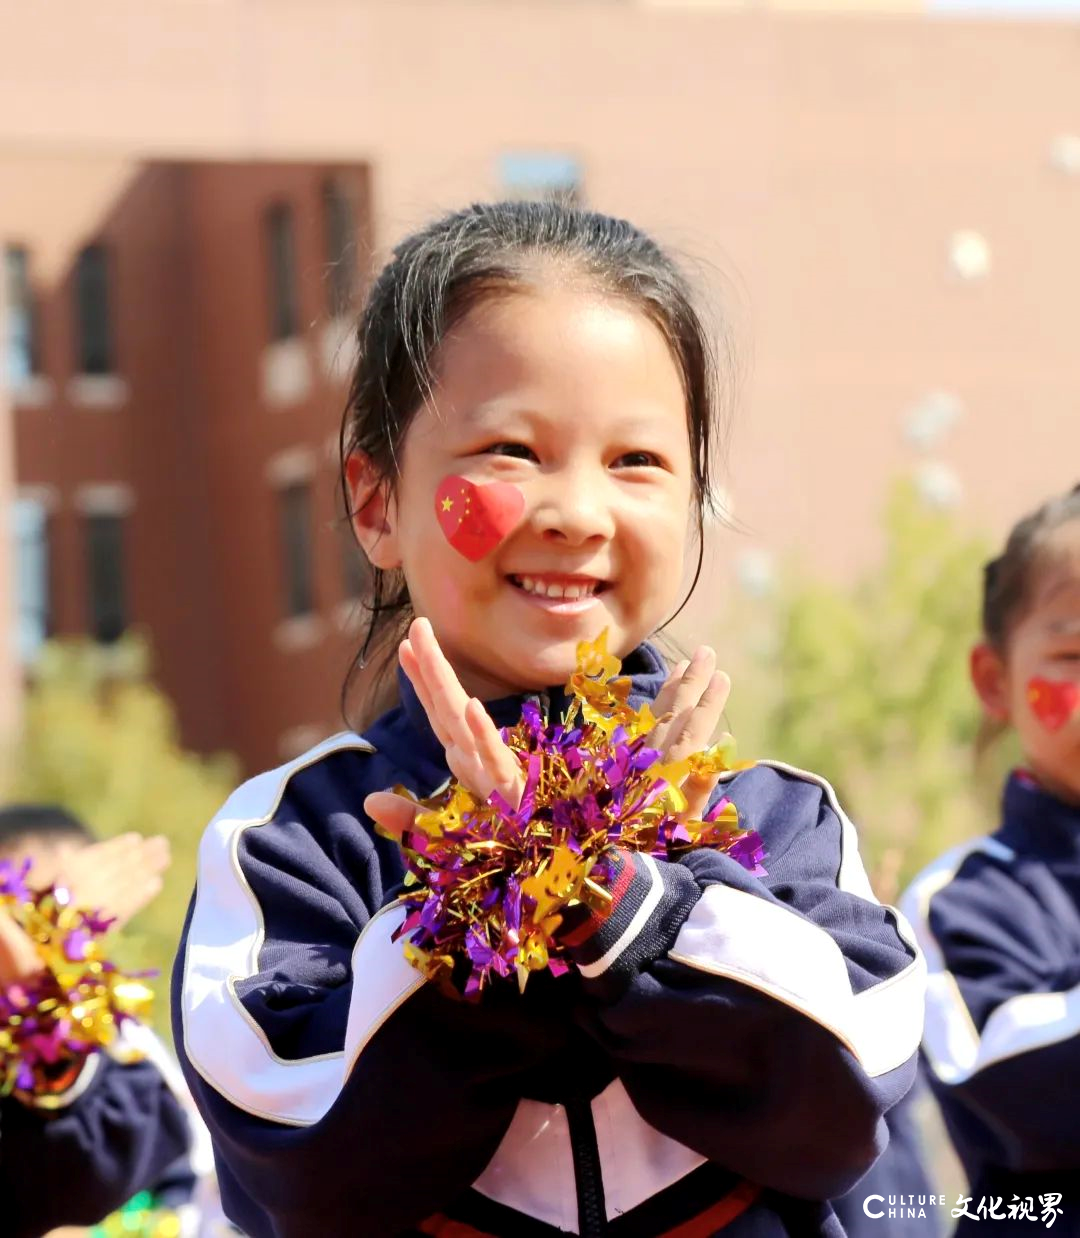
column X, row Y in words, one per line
column 320, row 790
column 792, row 807
column 325, row 765
column 978, row 872
column 778, row 785
column 308, row 808
column 776, row 796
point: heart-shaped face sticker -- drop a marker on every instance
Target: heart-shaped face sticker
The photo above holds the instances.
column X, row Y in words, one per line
column 1053, row 701
column 476, row 518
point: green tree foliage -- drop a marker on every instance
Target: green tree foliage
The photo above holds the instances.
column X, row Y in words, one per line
column 867, row 684
column 101, row 740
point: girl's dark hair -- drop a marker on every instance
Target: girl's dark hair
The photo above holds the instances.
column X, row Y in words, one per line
column 1007, row 580
column 432, row 281
column 20, row 822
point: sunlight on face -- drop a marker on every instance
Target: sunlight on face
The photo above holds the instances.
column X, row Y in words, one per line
column 1044, row 646
column 574, row 399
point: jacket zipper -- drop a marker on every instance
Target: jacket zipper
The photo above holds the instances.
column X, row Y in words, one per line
column 592, row 1212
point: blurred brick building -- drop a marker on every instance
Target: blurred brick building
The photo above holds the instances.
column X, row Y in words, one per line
column 884, row 203
column 176, row 363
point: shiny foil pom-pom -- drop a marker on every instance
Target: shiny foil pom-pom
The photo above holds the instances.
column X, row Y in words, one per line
column 488, row 884
column 51, row 1021
column 140, row 1217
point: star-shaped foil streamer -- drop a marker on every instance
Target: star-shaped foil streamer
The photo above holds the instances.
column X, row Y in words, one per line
column 78, row 1001
column 488, row 884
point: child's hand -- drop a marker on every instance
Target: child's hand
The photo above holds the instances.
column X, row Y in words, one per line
column 689, row 707
column 118, row 876
column 18, row 958
column 475, row 751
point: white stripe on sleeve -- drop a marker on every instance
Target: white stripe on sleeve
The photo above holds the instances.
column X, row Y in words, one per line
column 773, row 949
column 953, row 1045
column 223, row 1042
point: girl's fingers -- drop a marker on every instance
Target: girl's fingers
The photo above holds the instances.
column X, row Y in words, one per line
column 18, row 955
column 134, row 898
column 687, row 692
column 494, row 755
column 699, row 723
column 155, row 854
column 475, row 752
column 664, row 705
column 117, row 877
column 410, row 664
column 393, row 812
column 665, row 698
column 468, row 769
column 448, row 697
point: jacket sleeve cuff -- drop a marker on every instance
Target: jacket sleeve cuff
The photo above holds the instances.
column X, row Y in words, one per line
column 67, row 1086
column 650, row 901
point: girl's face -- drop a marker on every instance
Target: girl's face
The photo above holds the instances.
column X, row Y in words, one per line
column 545, row 491
column 1036, row 685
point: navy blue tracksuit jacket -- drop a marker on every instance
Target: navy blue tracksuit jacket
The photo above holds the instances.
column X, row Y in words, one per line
column 720, row 1058
column 115, row 1132
column 999, row 921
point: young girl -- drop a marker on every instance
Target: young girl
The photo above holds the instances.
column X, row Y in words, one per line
column 999, row 917
column 527, row 452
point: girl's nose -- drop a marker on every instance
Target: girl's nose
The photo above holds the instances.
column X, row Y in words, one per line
column 574, row 510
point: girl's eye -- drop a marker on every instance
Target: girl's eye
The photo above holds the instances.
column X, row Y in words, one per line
column 516, row 450
column 639, row 460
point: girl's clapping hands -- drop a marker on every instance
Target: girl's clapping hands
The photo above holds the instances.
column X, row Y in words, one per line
column 688, row 706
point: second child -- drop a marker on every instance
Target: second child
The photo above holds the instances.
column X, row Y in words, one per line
column 999, row 917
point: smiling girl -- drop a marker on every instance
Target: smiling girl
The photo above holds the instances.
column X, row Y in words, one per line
column 527, row 456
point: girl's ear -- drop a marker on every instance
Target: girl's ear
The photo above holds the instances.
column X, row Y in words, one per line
column 372, row 511
column 990, row 678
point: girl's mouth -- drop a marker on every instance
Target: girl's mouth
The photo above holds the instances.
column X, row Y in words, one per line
column 562, row 594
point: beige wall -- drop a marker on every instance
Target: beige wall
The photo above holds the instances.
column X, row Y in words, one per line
column 813, row 168
column 823, row 162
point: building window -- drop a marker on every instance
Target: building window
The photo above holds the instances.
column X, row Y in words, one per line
column 21, row 359
column 93, row 335
column 281, row 251
column 339, row 237
column 294, row 505
column 33, row 595
column 105, row 569
column 540, row 174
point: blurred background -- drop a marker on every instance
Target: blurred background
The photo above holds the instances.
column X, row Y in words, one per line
column 880, row 201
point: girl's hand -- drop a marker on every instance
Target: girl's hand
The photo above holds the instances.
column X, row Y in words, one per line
column 475, row 751
column 117, row 877
column 18, row 958
column 689, row 707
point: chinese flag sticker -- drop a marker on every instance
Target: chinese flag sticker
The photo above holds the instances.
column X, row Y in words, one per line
column 1053, row 701
column 475, row 519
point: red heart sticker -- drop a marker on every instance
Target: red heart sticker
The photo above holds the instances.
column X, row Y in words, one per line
column 1053, row 701
column 476, row 518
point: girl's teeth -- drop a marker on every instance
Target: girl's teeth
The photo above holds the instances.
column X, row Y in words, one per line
column 555, row 591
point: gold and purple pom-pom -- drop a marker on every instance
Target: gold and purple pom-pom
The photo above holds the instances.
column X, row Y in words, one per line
column 51, row 1021
column 140, row 1217
column 488, row 885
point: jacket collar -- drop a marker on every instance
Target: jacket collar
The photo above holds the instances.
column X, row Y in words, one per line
column 1036, row 821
